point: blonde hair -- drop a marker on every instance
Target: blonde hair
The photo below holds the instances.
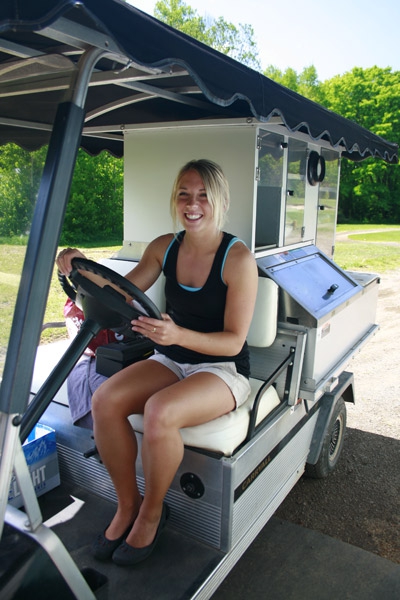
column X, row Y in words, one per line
column 216, row 187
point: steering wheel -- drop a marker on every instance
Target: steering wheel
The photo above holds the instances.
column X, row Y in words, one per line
column 105, row 305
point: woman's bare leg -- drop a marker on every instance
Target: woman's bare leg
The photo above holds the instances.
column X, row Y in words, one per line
column 195, row 400
column 124, row 394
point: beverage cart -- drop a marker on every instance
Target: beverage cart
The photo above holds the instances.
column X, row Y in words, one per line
column 101, row 75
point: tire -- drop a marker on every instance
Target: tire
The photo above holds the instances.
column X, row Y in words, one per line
column 332, row 445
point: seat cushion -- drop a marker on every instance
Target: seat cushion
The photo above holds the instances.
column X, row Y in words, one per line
column 226, row 433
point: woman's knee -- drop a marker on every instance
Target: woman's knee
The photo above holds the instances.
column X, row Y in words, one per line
column 99, row 405
column 107, row 401
column 114, row 399
column 158, row 417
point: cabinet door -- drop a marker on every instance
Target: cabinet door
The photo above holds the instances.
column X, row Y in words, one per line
column 271, row 160
column 295, row 192
column 328, row 202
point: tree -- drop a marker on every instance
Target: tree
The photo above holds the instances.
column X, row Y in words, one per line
column 309, row 84
column 95, row 206
column 179, row 15
column 370, row 190
column 235, row 41
column 20, row 173
column 306, row 83
column 94, row 210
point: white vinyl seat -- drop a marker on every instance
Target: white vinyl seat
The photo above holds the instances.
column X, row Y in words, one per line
column 224, row 434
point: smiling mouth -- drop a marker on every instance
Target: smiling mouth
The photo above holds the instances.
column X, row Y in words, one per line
column 193, row 217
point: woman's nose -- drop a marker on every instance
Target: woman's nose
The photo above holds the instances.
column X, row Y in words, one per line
column 191, row 201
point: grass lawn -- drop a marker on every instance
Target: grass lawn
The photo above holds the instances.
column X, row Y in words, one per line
column 11, row 263
column 375, row 250
column 371, row 233
column 378, row 236
column 366, row 256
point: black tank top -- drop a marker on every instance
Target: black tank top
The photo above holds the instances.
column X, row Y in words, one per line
column 200, row 309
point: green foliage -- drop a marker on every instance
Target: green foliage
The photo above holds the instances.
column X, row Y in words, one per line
column 179, row 15
column 369, row 190
column 391, row 236
column 95, row 206
column 236, row 41
column 370, row 257
column 20, row 173
column 12, row 257
column 305, row 83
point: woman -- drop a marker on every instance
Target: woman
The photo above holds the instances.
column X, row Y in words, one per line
column 201, row 366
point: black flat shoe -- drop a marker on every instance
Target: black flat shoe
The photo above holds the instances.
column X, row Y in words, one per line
column 126, row 555
column 103, row 548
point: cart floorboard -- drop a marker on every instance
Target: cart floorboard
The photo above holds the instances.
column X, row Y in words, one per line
column 277, row 565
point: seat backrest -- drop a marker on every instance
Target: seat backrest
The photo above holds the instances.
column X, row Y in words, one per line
column 263, row 326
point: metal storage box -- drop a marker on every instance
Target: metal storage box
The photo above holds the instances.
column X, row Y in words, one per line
column 335, row 307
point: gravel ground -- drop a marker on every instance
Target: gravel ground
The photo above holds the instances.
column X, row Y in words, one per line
column 359, row 502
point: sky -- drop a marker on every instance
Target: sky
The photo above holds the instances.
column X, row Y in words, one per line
column 334, row 35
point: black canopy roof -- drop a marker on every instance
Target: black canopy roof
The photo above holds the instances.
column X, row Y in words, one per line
column 151, row 73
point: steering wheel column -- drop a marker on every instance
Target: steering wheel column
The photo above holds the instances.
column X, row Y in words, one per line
column 59, row 374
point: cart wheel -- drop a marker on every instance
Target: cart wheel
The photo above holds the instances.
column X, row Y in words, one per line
column 332, row 444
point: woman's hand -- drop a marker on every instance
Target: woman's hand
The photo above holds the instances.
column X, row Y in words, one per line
column 164, row 332
column 64, row 259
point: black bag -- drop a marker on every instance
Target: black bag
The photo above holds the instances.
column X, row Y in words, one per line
column 113, row 357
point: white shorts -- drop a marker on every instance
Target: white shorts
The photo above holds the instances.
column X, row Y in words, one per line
column 238, row 384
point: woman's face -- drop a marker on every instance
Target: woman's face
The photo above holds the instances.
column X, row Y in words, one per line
column 192, row 206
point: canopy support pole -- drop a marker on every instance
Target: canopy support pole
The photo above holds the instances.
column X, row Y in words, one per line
column 37, row 269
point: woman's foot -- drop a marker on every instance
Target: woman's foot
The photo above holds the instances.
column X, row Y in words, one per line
column 114, row 534
column 123, row 518
column 126, row 555
column 103, row 548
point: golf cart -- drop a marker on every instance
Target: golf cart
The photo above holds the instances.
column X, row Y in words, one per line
column 101, row 75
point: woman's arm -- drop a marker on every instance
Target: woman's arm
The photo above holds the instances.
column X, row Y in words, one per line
column 143, row 275
column 150, row 266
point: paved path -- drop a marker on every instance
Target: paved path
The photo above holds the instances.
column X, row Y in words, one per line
column 344, row 236
column 290, row 562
